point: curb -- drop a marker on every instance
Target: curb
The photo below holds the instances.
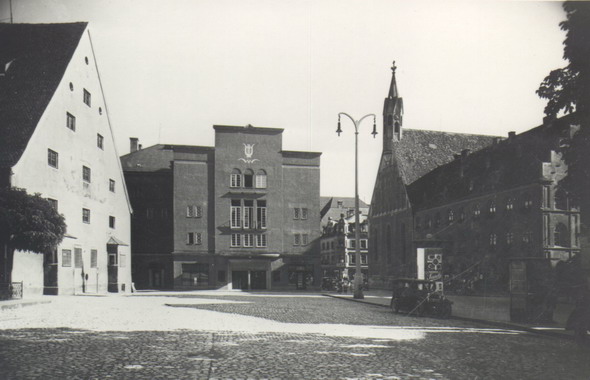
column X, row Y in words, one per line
column 504, row 325
column 18, row 305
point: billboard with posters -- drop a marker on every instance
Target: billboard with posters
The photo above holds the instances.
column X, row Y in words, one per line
column 430, row 265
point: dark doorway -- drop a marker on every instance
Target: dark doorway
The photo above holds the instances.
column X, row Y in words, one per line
column 239, row 279
column 258, row 279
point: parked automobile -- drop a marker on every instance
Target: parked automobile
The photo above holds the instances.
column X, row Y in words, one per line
column 419, row 297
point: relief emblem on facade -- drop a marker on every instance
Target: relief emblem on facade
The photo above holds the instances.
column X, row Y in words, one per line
column 249, row 151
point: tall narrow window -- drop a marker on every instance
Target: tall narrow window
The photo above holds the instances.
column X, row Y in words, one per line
column 248, row 214
column 111, row 221
column 85, row 215
column 198, row 211
column 249, row 179
column 190, row 211
column 52, row 158
column 236, row 215
column 198, row 238
column 87, row 99
column 476, row 210
column 78, row 258
column 86, row 173
column 509, row 204
column 261, row 214
column 236, row 240
column 70, row 121
column 66, row 258
column 99, row 141
column 248, row 240
column 297, row 239
column 93, row 258
column 561, row 201
column 190, row 238
column 492, row 208
column 296, row 211
column 451, row 216
column 235, row 178
column 493, row 240
column 561, row 235
column 261, row 179
column 305, row 239
column 112, row 185
column 304, row 213
column 261, row 240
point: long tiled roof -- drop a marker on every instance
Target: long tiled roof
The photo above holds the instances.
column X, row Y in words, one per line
column 36, row 57
column 421, row 151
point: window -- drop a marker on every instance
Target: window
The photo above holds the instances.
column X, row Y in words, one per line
column 66, row 258
column 305, row 239
column 297, row 239
column 112, row 185
column 70, row 121
column 78, row 257
column 364, row 243
column 193, row 211
column 261, row 214
column 509, row 238
column 352, row 243
column 339, row 204
column 86, row 174
column 194, row 238
column 561, row 201
column 249, row 179
column 190, row 211
column 509, row 204
column 528, row 202
column 198, row 211
column 492, row 208
column 198, row 238
column 296, row 212
column 112, row 259
column 352, row 258
column 236, row 214
column 261, row 179
column 527, row 237
column 248, row 214
column 123, row 261
column 86, row 215
column 476, row 210
column 261, row 240
column 546, row 197
column 493, row 240
column 53, row 203
column 561, row 235
column 87, row 99
column 111, row 221
column 93, row 258
column 236, row 240
column 451, row 216
column 248, row 240
column 52, row 158
column 99, row 141
column 304, row 213
column 364, row 258
column 235, row 178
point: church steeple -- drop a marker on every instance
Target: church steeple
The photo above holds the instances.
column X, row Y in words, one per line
column 393, row 110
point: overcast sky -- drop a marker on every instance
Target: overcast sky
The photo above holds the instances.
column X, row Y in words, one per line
column 172, row 69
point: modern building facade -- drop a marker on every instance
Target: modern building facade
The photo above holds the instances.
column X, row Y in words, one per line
column 57, row 141
column 483, row 200
column 244, row 214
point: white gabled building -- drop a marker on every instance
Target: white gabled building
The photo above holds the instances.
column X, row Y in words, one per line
column 56, row 139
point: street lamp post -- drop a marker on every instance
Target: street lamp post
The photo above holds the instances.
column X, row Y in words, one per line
column 358, row 277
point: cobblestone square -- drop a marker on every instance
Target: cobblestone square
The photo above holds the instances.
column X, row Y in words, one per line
column 208, row 335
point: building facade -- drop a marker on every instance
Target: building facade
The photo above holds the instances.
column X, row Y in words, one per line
column 244, row 214
column 57, row 141
column 483, row 200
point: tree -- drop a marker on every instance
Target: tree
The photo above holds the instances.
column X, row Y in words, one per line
column 568, row 90
column 27, row 223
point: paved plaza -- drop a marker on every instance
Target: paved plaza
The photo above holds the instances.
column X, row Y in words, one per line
column 208, row 335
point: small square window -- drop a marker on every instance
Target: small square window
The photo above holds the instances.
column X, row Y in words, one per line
column 85, row 215
column 86, row 174
column 52, row 158
column 111, row 221
column 71, row 121
column 87, row 98
column 99, row 141
column 112, row 185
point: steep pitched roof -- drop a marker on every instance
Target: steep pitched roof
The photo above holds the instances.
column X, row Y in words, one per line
column 421, row 151
column 154, row 158
column 38, row 55
column 330, row 209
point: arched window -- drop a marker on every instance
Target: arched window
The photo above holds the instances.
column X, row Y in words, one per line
column 492, row 208
column 249, row 179
column 561, row 201
column 509, row 204
column 261, row 179
column 561, row 235
column 235, row 178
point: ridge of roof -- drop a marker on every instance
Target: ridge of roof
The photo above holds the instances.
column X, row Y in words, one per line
column 40, row 55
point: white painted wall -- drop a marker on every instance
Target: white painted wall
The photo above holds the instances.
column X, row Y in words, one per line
column 65, row 184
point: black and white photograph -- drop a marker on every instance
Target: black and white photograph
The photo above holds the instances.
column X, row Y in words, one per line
column 294, row 189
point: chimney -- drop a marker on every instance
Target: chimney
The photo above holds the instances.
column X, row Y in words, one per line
column 511, row 135
column 133, row 144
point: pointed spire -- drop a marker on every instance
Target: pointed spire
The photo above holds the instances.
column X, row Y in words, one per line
column 393, row 87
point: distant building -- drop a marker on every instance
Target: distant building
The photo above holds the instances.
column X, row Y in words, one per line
column 333, row 207
column 244, row 214
column 482, row 199
column 338, row 249
column 56, row 139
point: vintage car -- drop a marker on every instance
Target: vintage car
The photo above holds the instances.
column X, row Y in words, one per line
column 419, row 297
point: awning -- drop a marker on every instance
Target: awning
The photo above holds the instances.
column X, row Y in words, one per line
column 69, row 236
column 114, row 241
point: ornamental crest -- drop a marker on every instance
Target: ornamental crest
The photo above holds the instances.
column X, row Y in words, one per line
column 248, row 151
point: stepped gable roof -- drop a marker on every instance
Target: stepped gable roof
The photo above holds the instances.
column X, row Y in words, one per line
column 511, row 163
column 33, row 60
column 421, row 151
